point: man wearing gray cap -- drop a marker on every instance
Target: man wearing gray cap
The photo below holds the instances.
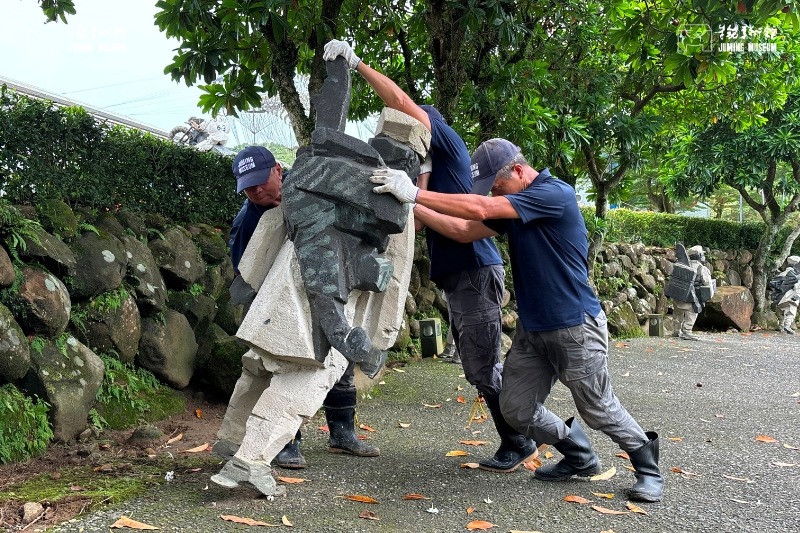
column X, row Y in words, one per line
column 260, row 177
column 563, row 332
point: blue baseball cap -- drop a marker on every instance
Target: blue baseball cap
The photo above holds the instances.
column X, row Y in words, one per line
column 488, row 159
column 252, row 166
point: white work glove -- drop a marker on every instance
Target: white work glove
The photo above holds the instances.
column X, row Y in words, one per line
column 427, row 165
column 396, row 182
column 334, row 49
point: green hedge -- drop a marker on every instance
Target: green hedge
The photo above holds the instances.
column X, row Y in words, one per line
column 661, row 229
column 62, row 152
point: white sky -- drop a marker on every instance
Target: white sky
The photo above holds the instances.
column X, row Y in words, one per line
column 109, row 55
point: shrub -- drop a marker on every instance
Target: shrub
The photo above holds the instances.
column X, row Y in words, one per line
column 24, row 429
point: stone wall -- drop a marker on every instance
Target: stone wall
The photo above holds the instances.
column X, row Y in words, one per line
column 156, row 295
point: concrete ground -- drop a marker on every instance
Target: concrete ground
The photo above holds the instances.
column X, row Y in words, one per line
column 709, row 400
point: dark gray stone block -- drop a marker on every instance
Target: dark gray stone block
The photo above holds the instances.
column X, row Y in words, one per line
column 333, row 101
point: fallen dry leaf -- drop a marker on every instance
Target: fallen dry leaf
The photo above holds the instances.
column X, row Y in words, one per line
column 399, row 370
column 606, row 510
column 778, row 463
column 362, row 437
column 626, row 374
column 404, row 424
column 469, row 465
column 719, row 416
column 245, row 521
column 765, row 438
column 533, row 464
column 198, row 413
column 456, row 453
column 324, row 428
column 470, row 510
column 548, row 455
column 744, row 502
column 635, row 508
column 629, row 467
column 608, row 474
column 414, row 496
column 368, row 515
column 367, row 428
column 176, row 438
column 606, row 495
column 572, row 498
column 675, row 439
column 201, row 448
column 474, row 442
column 124, row 521
column 480, row 525
column 624, row 455
column 432, row 405
column 790, row 447
column 291, row 480
column 684, row 473
column 461, row 399
column 285, row 521
column 76, row 488
column 359, row 498
column 734, row 478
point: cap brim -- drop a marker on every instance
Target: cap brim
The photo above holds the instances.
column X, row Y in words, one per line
column 483, row 185
column 248, row 180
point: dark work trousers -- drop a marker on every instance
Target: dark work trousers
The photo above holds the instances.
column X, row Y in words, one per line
column 347, row 381
column 577, row 357
column 474, row 298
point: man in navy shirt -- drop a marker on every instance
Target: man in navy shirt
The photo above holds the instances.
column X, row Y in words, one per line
column 563, row 333
column 261, row 178
column 471, row 274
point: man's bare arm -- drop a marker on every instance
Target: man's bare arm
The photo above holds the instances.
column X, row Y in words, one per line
column 457, row 229
column 468, row 206
column 391, row 94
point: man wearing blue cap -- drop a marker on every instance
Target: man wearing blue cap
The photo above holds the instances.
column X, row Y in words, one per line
column 261, row 178
column 563, row 334
column 471, row 274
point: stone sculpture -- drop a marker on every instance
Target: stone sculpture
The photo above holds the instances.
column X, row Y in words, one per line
column 329, row 269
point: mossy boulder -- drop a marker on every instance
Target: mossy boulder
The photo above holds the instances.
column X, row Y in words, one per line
column 57, row 217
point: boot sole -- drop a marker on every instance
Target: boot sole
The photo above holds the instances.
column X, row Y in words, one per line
column 342, row 451
column 583, row 474
column 509, row 470
column 290, row 467
column 639, row 497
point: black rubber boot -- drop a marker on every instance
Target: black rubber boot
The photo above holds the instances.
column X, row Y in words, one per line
column 291, row 456
column 340, row 411
column 515, row 448
column 649, row 486
column 579, row 457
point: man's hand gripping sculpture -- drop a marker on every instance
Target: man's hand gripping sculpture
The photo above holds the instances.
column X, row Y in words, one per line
column 395, row 182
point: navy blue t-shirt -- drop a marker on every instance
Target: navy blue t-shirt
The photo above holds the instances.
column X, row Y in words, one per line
column 549, row 246
column 242, row 229
column 451, row 174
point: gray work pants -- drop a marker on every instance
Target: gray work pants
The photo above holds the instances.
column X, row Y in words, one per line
column 474, row 298
column 577, row 357
column 684, row 317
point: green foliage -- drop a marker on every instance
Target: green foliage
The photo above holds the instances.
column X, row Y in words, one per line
column 24, row 429
column 663, row 229
column 127, row 395
column 37, row 343
column 54, row 152
column 196, row 289
column 15, row 229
